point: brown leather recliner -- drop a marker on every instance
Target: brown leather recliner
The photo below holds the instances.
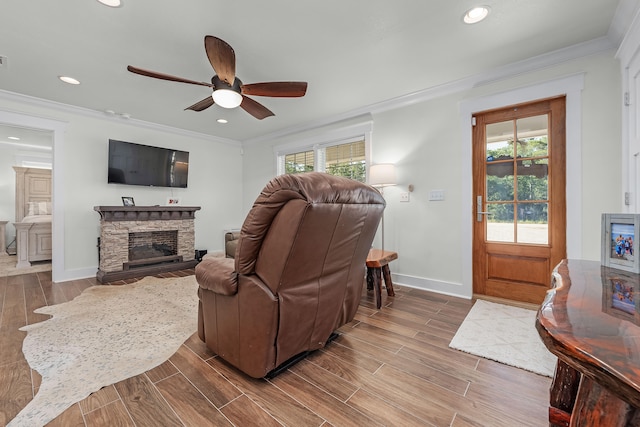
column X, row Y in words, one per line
column 297, row 275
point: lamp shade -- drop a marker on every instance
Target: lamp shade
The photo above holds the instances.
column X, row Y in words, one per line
column 382, row 175
column 227, row 98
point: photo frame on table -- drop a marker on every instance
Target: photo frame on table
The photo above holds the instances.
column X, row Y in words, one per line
column 619, row 247
column 128, row 201
column 620, row 294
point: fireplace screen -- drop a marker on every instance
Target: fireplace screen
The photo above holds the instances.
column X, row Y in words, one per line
column 152, row 244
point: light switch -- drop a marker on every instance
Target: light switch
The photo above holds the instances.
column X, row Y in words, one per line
column 436, row 195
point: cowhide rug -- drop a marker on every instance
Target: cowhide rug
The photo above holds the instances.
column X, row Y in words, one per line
column 105, row 335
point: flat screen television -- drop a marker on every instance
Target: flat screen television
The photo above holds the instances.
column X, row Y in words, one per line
column 137, row 164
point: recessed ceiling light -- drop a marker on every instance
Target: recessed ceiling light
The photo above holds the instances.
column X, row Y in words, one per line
column 69, row 80
column 476, row 14
column 111, row 3
column 222, row 121
column 15, row 138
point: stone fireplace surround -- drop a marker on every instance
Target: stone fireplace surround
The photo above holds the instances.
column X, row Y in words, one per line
column 117, row 222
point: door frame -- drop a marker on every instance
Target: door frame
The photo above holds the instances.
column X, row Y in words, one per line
column 513, row 269
column 571, row 87
column 57, row 129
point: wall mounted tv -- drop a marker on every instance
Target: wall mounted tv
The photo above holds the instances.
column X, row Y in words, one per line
column 137, row 164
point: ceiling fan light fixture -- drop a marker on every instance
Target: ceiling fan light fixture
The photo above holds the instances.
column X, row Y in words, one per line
column 476, row 14
column 227, row 98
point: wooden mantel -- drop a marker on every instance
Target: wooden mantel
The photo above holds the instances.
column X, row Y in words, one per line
column 146, row 213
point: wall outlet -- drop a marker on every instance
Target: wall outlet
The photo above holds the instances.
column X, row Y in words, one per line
column 404, row 197
column 436, row 195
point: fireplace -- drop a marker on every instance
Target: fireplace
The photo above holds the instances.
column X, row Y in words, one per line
column 152, row 244
column 136, row 241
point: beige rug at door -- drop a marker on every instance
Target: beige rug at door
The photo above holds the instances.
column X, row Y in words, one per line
column 505, row 334
column 105, row 335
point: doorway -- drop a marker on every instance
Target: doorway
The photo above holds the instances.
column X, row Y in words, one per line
column 57, row 129
column 25, row 148
column 519, row 181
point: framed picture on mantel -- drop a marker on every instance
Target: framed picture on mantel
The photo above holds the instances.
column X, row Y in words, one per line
column 619, row 241
column 128, row 201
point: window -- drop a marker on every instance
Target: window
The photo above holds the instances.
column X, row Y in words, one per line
column 342, row 151
column 345, row 159
column 299, row 162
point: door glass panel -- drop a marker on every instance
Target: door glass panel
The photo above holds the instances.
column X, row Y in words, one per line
column 517, row 171
column 533, row 223
column 500, row 227
column 533, row 182
column 532, row 136
column 500, row 181
column 500, row 141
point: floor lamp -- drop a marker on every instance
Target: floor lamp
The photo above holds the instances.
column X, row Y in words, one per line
column 380, row 176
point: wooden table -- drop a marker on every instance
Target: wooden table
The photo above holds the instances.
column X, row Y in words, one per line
column 590, row 320
column 377, row 266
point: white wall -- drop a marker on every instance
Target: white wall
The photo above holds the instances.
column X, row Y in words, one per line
column 7, row 190
column 424, row 139
column 426, row 142
column 80, row 179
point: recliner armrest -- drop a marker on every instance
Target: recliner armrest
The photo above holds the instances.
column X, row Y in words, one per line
column 217, row 275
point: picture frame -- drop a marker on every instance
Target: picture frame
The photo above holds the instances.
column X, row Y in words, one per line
column 619, row 247
column 128, row 201
column 173, row 201
column 620, row 294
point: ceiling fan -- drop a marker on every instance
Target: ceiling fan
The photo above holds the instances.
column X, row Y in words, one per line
column 228, row 90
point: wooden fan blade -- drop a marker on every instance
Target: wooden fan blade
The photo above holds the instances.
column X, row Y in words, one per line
column 162, row 76
column 202, row 105
column 222, row 58
column 276, row 89
column 254, row 108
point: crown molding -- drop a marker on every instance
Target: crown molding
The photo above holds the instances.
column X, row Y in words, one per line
column 100, row 115
column 529, row 65
column 623, row 20
column 631, row 40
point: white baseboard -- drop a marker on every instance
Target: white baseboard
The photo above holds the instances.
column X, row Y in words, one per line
column 439, row 286
column 80, row 273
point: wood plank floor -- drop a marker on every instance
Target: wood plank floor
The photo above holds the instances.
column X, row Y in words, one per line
column 388, row 367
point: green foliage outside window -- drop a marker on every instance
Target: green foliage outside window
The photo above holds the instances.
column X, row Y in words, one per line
column 347, row 160
column 527, row 195
column 299, row 162
column 352, row 170
column 291, row 167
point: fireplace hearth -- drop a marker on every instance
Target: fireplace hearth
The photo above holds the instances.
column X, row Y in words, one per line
column 137, row 241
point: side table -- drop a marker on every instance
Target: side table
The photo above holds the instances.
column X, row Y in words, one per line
column 377, row 268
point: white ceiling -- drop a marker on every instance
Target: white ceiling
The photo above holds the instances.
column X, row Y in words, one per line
column 353, row 53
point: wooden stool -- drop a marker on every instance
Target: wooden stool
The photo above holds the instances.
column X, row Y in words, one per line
column 377, row 266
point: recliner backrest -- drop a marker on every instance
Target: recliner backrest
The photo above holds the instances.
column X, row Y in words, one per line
column 307, row 237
